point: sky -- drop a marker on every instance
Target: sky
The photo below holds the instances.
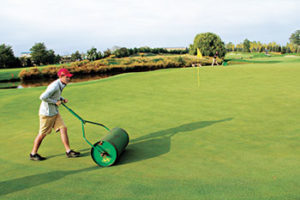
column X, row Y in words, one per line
column 70, row 25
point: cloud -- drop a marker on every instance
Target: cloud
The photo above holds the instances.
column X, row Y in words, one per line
column 77, row 23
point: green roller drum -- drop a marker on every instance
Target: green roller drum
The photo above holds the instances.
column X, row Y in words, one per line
column 109, row 148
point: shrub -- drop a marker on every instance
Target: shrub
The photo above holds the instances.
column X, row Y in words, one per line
column 32, row 73
column 115, row 66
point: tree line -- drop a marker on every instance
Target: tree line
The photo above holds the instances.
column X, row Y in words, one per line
column 120, row 52
column 40, row 55
column 207, row 43
column 256, row 46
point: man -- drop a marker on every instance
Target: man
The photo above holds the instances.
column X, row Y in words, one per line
column 50, row 117
column 215, row 59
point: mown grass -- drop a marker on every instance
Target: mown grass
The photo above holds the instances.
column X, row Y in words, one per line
column 262, row 58
column 234, row 137
column 10, row 74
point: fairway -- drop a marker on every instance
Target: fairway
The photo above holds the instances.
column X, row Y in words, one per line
column 236, row 136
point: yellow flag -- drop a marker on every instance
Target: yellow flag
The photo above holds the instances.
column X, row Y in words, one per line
column 199, row 54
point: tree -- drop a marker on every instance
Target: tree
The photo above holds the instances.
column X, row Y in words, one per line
column 25, row 61
column 239, row 47
column 208, row 43
column 7, row 57
column 192, row 50
column 39, row 54
column 76, row 56
column 229, row 46
column 295, row 38
column 100, row 55
column 259, row 46
column 246, row 45
column 283, row 50
column 107, row 53
column 92, row 54
column 51, row 58
column 291, row 48
column 254, row 46
column 57, row 58
column 122, row 52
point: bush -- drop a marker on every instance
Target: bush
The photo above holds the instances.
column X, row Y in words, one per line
column 50, row 72
column 111, row 66
column 32, row 73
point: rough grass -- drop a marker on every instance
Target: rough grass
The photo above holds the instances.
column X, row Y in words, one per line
column 234, row 137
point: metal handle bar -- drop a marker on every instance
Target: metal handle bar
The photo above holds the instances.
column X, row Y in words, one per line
column 83, row 123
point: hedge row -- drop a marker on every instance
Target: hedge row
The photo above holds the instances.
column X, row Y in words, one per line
column 104, row 67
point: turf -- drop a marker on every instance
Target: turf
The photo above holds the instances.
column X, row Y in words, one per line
column 234, row 137
column 9, row 74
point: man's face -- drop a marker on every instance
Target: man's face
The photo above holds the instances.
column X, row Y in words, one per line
column 65, row 79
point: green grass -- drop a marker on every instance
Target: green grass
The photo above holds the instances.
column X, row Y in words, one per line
column 260, row 58
column 246, row 55
column 234, row 137
column 9, row 74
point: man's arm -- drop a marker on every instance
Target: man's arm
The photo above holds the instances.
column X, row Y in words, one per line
column 46, row 96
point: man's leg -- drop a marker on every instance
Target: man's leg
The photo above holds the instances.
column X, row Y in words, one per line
column 37, row 142
column 59, row 124
column 64, row 138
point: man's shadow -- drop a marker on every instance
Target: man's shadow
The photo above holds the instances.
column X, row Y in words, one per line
column 26, row 182
column 158, row 143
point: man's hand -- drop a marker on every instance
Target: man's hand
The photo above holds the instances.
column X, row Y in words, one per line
column 58, row 103
column 65, row 100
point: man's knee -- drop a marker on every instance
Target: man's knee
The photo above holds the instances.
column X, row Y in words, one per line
column 40, row 137
column 63, row 129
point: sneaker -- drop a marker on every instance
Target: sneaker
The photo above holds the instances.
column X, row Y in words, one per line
column 36, row 157
column 72, row 154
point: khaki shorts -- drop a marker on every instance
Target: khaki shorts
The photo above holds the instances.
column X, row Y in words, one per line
column 49, row 122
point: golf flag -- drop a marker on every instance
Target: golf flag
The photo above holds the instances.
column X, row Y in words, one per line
column 199, row 54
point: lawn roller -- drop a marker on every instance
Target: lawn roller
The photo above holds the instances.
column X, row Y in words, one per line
column 106, row 151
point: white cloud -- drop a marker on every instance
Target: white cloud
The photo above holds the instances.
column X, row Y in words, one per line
column 81, row 24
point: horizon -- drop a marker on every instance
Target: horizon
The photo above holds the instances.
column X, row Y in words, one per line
column 69, row 26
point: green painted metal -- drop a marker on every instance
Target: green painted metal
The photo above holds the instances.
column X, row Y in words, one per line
column 119, row 138
column 107, row 155
column 112, row 146
column 106, row 151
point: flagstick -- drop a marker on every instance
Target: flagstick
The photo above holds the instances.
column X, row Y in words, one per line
column 198, row 76
column 199, row 55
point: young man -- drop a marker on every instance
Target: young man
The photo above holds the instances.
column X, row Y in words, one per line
column 50, row 117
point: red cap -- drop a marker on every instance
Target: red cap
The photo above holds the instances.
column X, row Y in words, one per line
column 65, row 72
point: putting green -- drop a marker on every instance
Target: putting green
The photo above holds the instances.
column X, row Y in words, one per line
column 234, row 137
